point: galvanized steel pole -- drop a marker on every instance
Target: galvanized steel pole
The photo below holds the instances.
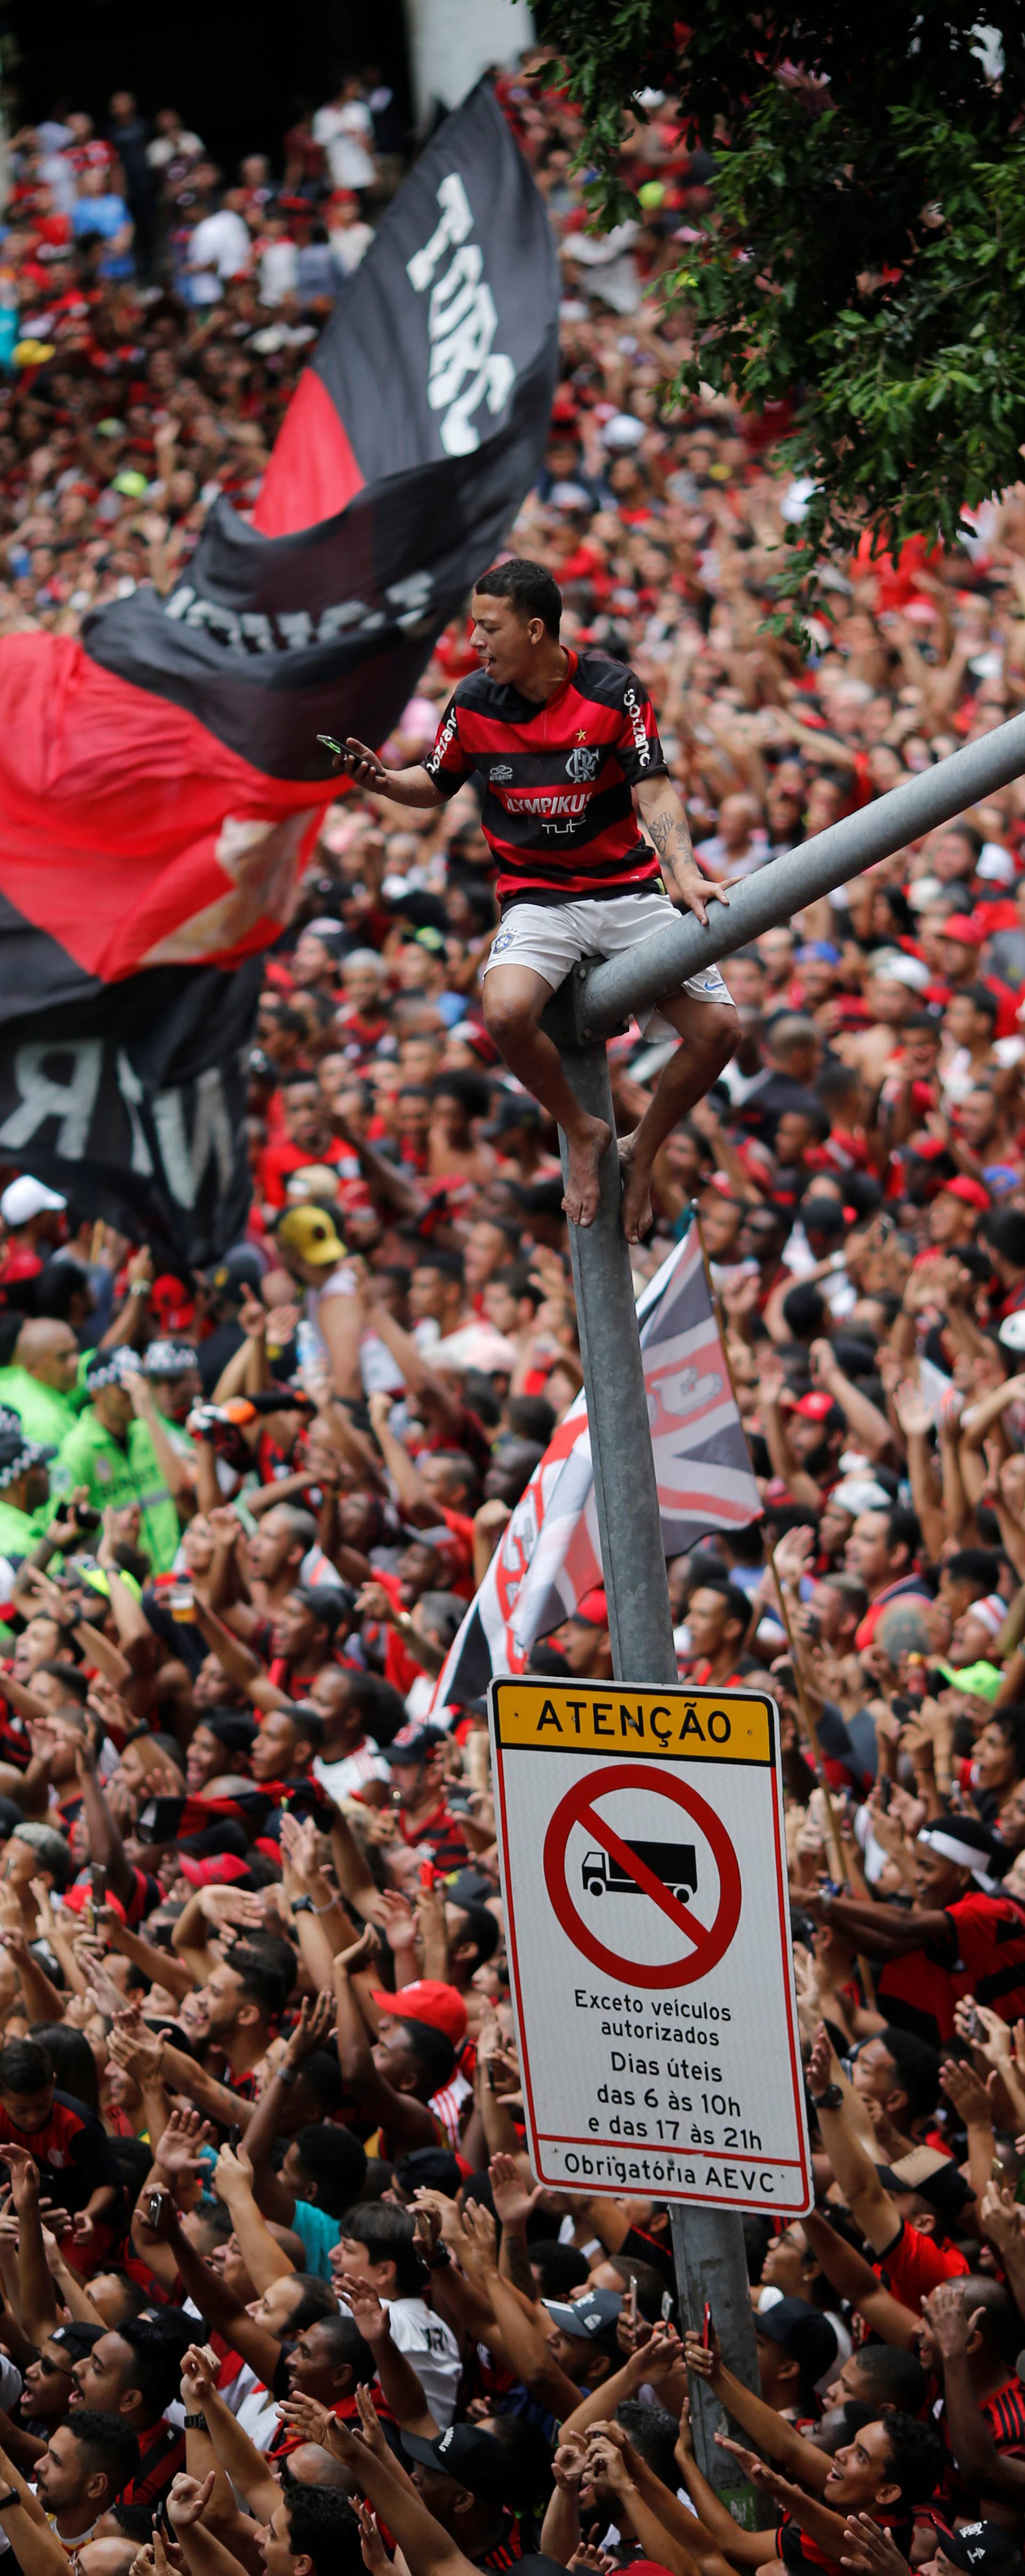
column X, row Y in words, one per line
column 708, row 2245
column 610, row 992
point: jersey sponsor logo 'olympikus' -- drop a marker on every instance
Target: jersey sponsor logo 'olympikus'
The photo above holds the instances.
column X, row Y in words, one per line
column 464, row 368
column 641, row 743
column 527, row 800
column 500, row 773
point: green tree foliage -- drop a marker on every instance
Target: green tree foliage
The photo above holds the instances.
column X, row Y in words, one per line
column 866, row 248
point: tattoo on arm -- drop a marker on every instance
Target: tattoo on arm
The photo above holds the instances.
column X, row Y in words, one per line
column 662, row 828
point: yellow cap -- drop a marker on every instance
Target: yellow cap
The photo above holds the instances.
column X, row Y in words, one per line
column 309, row 1233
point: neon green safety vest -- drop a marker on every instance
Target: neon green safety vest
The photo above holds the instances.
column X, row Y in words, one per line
column 47, row 1416
column 119, row 1472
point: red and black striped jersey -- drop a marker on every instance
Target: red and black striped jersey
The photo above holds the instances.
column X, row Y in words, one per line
column 558, row 808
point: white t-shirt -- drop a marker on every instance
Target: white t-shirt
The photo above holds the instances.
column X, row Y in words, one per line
column 345, row 1778
column 347, row 134
column 278, row 271
column 433, row 2351
column 349, row 244
column 220, row 248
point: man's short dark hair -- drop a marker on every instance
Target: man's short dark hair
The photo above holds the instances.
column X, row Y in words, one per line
column 323, row 2527
column 533, row 590
column 981, row 999
column 903, row 1529
column 156, row 2351
column 1004, row 1230
column 918, row 2072
column 978, row 1566
column 335, row 2161
column 655, row 2434
column 347, row 2348
column 390, row 2237
column 898, row 2379
column 434, row 2055
column 106, row 2442
column 738, row 1606
column 24, row 2067
column 483, row 1929
column 916, row 2458
column 559, row 2268
column 266, row 1980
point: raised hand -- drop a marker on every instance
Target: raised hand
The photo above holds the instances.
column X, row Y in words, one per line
column 178, row 2151
column 313, row 2028
column 514, row 2196
column 188, row 2499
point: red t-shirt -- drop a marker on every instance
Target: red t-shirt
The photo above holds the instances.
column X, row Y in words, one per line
column 915, row 2264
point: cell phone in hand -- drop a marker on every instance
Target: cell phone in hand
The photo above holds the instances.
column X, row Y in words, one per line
column 234, row 2137
column 631, row 2308
column 330, row 744
column 155, row 2207
column 706, row 2326
column 98, row 1883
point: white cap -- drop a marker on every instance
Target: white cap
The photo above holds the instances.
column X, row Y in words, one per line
column 623, row 430
column 25, row 1198
column 860, row 1494
column 1012, row 1331
column 921, row 891
column 894, row 967
column 996, row 864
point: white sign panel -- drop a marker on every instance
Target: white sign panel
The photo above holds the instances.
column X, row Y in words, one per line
column 644, row 1878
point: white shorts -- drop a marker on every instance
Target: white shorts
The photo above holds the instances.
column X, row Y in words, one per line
column 551, row 938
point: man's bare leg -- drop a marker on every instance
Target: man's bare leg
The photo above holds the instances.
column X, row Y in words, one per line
column 514, row 998
column 709, row 1031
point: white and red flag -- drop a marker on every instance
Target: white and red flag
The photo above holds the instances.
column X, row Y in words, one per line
column 549, row 1556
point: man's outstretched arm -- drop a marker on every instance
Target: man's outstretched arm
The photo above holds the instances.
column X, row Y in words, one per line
column 404, row 786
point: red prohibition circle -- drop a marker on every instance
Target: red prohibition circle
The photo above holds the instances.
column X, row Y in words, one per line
column 576, row 1808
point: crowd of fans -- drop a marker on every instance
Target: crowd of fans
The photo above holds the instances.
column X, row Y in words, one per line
column 277, row 2287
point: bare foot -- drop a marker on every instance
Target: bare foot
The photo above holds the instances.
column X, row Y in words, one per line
column 636, row 1179
column 581, row 1194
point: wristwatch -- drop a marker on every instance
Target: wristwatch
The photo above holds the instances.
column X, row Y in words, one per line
column 194, row 2423
column 303, row 1905
column 830, row 2100
column 12, row 2496
column 436, row 2262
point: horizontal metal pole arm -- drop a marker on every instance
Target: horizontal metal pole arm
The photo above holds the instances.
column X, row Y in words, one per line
column 609, row 992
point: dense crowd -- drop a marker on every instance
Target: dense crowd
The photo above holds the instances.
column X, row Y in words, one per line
column 277, row 2286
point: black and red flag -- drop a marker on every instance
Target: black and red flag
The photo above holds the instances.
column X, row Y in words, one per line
column 160, row 779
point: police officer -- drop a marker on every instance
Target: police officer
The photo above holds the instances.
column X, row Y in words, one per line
column 111, row 1453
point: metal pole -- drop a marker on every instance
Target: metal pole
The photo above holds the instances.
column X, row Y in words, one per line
column 708, row 2245
column 618, row 986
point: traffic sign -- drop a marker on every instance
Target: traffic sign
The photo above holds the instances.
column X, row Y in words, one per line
column 644, row 1880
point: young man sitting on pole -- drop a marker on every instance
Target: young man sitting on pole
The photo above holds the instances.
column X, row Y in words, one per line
column 567, row 748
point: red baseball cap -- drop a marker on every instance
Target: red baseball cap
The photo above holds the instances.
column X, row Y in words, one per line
column 593, row 1610
column 971, row 1192
column 815, row 1405
column 961, row 927
column 170, row 1300
column 222, row 1871
column 441, row 2007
